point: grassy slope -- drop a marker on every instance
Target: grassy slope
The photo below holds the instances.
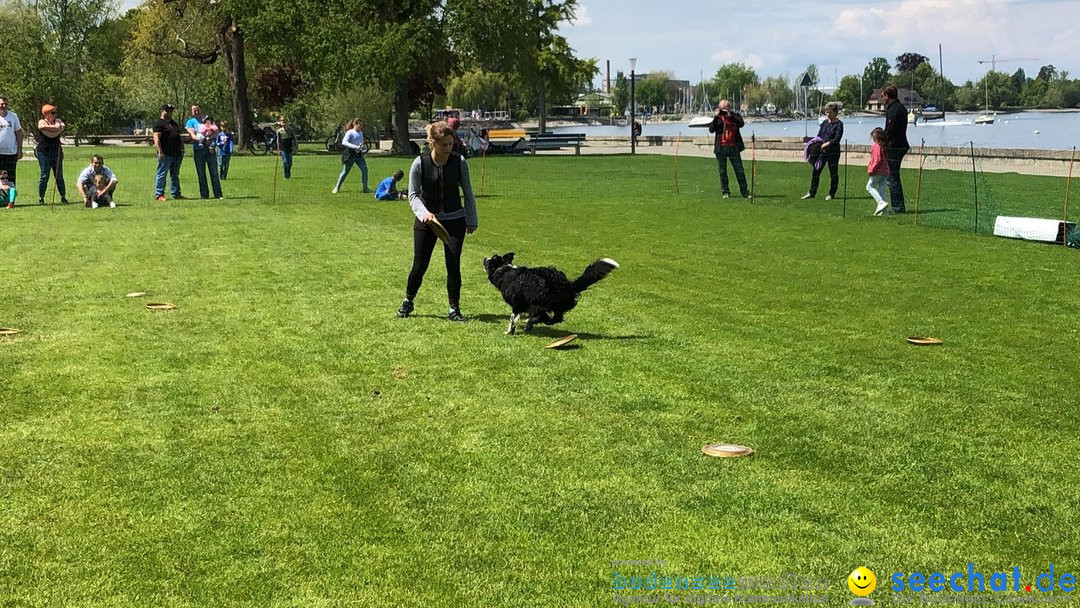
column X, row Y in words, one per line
column 282, row 439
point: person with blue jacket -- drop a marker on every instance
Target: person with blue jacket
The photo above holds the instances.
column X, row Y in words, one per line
column 831, row 133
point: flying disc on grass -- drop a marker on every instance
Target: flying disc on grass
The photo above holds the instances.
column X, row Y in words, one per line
column 160, row 306
column 440, row 231
column 136, row 294
column 563, row 341
column 924, row 341
column 8, row 331
column 726, row 450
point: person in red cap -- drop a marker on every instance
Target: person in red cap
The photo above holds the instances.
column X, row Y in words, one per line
column 50, row 153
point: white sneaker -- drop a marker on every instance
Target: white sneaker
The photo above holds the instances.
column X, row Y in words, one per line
column 828, row 197
column 112, row 205
column 334, row 191
column 806, row 196
column 881, row 208
column 94, row 205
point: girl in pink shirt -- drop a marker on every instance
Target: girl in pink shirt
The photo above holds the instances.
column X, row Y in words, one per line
column 878, row 170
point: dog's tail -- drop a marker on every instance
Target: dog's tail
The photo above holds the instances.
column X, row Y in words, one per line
column 593, row 273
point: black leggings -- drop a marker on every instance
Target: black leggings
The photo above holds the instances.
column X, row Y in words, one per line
column 833, row 163
column 424, row 244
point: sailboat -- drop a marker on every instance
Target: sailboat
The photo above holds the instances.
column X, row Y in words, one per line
column 931, row 112
column 989, row 117
column 706, row 109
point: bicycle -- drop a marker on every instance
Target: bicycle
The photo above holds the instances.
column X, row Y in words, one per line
column 262, row 141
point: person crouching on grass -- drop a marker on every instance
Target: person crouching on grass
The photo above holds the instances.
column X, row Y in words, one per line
column 439, row 188
column 878, row 170
column 99, row 194
column 388, row 190
column 7, row 191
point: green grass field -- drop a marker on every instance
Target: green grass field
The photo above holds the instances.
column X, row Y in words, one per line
column 281, row 439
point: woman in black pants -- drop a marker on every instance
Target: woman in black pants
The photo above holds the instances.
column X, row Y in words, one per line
column 831, row 134
column 439, row 188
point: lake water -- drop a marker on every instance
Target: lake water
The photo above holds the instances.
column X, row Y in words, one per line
column 1033, row 130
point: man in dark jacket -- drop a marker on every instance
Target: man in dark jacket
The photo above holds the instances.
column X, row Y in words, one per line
column 896, row 144
column 728, row 146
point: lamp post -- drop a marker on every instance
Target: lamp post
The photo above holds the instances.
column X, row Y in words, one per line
column 633, row 135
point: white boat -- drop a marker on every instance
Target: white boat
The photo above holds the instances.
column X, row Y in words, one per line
column 989, row 117
column 700, row 121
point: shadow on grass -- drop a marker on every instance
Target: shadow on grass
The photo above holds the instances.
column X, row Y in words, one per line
column 545, row 331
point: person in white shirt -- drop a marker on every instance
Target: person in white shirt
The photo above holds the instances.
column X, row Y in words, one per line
column 353, row 153
column 11, row 140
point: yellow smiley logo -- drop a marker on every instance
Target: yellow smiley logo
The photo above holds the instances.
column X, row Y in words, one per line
column 861, row 581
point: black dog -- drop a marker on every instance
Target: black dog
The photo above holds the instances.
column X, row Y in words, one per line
column 544, row 293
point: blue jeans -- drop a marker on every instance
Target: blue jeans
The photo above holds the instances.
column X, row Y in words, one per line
column 286, row 163
column 731, row 153
column 204, row 160
column 894, row 156
column 223, row 165
column 54, row 165
column 346, row 167
column 171, row 165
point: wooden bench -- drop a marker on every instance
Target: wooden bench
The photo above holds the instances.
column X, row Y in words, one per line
column 555, row 141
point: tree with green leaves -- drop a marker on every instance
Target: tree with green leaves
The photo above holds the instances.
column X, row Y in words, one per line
column 848, row 93
column 620, row 93
column 650, row 92
column 908, row 62
column 478, row 89
column 66, row 53
column 732, row 79
column 167, row 32
column 875, row 74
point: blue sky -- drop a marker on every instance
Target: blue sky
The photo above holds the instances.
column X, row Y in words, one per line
column 688, row 37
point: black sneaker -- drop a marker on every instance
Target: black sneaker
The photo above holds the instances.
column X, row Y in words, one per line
column 455, row 315
column 64, row 201
column 406, row 308
column 41, row 201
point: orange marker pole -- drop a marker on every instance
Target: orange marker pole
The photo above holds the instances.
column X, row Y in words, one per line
column 918, row 184
column 675, row 161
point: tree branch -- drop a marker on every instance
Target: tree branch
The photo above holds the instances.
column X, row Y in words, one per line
column 204, row 57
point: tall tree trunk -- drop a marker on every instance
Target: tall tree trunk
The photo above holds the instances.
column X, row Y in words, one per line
column 231, row 42
column 401, row 117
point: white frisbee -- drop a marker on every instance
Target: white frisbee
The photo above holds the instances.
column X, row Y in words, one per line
column 8, row 331
column 135, row 294
column 160, row 306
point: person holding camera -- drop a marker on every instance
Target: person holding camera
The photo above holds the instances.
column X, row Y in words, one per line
column 728, row 146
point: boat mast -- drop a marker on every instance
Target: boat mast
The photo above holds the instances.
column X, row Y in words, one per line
column 941, row 82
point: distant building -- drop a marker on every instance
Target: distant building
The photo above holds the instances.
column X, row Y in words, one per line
column 911, row 99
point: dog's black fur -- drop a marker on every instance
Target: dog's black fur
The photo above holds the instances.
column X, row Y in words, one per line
column 545, row 294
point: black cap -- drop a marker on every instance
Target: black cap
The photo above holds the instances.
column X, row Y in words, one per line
column 168, row 106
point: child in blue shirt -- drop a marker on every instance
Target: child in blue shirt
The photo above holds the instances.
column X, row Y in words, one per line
column 388, row 191
column 225, row 149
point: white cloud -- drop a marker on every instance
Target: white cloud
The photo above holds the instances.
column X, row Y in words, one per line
column 582, row 18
